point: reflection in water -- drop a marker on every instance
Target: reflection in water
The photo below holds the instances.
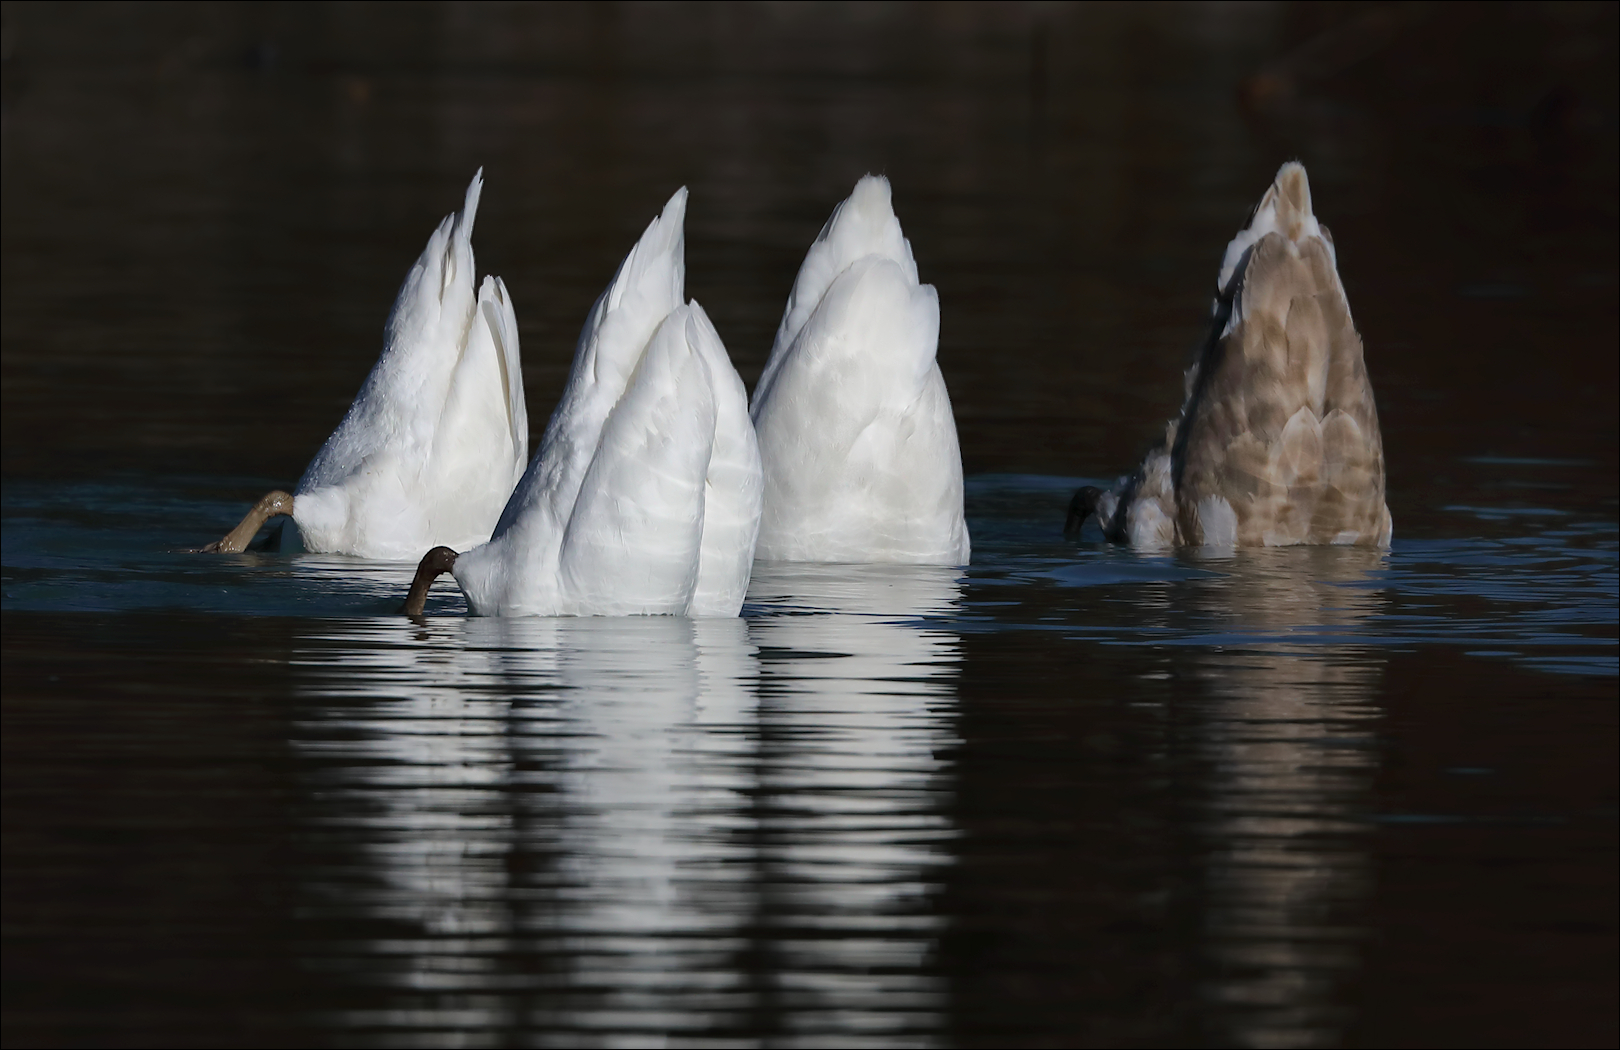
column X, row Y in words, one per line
column 634, row 780
column 409, row 769
column 627, row 829
column 857, row 700
column 1289, row 750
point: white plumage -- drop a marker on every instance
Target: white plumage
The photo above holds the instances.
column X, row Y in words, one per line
column 855, row 427
column 438, row 435
column 645, row 494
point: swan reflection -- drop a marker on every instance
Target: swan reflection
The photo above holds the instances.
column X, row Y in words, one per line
column 630, row 829
column 858, row 696
column 1287, row 737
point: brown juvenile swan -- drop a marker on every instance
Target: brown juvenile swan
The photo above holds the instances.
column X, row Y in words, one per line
column 1277, row 442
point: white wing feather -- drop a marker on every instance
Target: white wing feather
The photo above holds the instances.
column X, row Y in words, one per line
column 735, row 486
column 855, row 428
column 438, row 435
column 644, row 496
column 633, row 540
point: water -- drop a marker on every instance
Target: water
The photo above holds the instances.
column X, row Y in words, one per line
column 1069, row 795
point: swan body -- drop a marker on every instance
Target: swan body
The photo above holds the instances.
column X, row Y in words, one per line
column 855, row 428
column 437, row 437
column 645, row 494
column 1278, row 441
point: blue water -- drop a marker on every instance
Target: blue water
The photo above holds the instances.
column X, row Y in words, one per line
column 1544, row 595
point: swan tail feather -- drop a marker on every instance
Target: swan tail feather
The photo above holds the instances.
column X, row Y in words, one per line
column 861, row 225
column 857, row 432
column 633, row 541
column 647, row 286
column 495, row 303
column 649, row 283
column 399, row 404
column 1280, row 422
column 734, row 489
column 479, row 447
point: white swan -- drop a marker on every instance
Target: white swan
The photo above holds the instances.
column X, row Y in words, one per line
column 438, row 435
column 1278, row 441
column 645, row 494
column 855, row 427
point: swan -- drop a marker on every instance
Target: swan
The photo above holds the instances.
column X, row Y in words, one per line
column 438, row 435
column 1277, row 442
column 645, row 494
column 855, row 426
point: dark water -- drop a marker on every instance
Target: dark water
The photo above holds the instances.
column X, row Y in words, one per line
column 1069, row 795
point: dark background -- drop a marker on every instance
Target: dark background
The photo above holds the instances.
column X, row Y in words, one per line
column 208, row 208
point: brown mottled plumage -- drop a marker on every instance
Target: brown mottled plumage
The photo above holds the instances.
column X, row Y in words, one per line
column 1278, row 440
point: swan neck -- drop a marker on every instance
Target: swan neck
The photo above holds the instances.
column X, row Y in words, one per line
column 435, row 562
column 271, row 505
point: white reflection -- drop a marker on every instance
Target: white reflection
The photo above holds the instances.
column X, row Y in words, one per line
column 409, row 765
column 636, row 782
column 858, row 700
column 1290, row 758
column 607, row 830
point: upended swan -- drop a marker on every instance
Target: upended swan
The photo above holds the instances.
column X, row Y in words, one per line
column 855, row 427
column 438, row 435
column 645, row 494
column 1278, row 442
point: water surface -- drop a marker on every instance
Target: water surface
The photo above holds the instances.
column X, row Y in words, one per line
column 1068, row 795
